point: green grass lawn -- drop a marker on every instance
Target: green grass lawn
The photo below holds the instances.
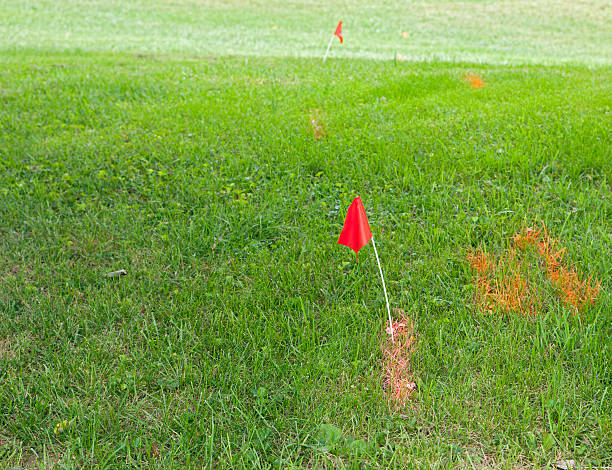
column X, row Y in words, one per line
column 491, row 31
column 243, row 336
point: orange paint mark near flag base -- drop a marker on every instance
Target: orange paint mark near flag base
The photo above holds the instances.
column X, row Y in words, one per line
column 397, row 352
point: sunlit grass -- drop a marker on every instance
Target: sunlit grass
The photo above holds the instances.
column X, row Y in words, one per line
column 242, row 327
column 243, row 335
column 500, row 31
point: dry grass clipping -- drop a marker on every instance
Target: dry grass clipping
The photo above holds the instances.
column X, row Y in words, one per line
column 7, row 351
column 399, row 375
column 512, row 283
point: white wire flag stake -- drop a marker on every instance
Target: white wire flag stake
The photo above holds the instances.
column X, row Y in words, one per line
column 384, row 289
column 328, row 46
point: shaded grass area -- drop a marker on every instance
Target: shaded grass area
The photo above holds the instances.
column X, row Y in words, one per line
column 241, row 327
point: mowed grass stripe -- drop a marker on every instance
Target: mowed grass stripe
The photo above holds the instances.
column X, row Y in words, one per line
column 498, row 31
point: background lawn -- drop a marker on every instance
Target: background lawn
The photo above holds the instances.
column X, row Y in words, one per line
column 491, row 31
column 174, row 140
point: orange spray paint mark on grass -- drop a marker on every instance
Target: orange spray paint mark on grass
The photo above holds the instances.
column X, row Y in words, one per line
column 474, row 80
column 573, row 290
column 399, row 375
column 511, row 283
column 510, row 292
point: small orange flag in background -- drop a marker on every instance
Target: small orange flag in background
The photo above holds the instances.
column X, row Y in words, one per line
column 356, row 232
column 338, row 32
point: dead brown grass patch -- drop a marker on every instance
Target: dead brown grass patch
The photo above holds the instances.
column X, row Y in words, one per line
column 7, row 351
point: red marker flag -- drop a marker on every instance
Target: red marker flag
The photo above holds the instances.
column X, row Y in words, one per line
column 338, row 32
column 356, row 232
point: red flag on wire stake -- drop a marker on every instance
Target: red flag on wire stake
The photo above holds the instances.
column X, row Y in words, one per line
column 337, row 32
column 356, row 234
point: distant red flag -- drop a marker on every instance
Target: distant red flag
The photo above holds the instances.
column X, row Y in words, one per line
column 356, row 232
column 338, row 32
